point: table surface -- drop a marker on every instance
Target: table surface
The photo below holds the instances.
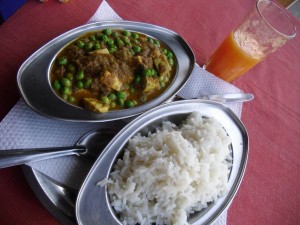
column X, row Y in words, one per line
column 269, row 193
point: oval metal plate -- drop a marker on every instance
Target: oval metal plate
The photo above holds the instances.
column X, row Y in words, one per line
column 93, row 199
column 34, row 86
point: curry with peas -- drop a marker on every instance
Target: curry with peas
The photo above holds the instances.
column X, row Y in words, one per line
column 111, row 70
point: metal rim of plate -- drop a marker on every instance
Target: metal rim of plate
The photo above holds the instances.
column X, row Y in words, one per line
column 147, row 122
column 61, row 206
column 35, row 88
column 50, row 195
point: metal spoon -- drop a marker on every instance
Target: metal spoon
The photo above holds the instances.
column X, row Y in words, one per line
column 224, row 98
column 90, row 146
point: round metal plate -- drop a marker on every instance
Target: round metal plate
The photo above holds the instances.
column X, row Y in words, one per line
column 36, row 90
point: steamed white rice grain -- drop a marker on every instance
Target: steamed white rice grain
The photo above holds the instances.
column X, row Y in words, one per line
column 166, row 176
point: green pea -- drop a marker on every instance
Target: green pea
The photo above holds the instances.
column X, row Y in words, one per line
column 71, row 68
column 126, row 40
column 110, row 42
column 164, row 51
column 70, row 76
column 135, row 36
column 56, row 85
column 99, row 35
column 150, row 40
column 89, row 46
column 112, row 49
column 66, row 82
column 112, row 96
column 105, row 99
column 156, row 42
column 97, row 46
column 66, row 91
column 131, row 89
column 71, row 99
column 80, row 75
column 121, row 102
column 135, row 41
column 136, row 49
column 92, row 38
column 169, row 54
column 88, row 82
column 80, row 44
column 161, row 78
column 121, row 95
column 104, row 38
column 129, row 104
column 115, row 34
column 64, row 97
column 79, row 84
column 171, row 62
column 162, row 84
column 113, row 105
column 62, row 61
column 120, row 43
column 138, row 79
column 126, row 33
column 153, row 72
column 134, row 102
column 143, row 98
column 108, row 31
column 147, row 72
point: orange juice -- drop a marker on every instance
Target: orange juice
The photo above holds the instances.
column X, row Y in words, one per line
column 237, row 54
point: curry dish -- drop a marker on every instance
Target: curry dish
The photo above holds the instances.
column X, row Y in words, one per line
column 111, row 70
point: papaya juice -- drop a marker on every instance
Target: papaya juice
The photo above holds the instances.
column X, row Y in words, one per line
column 236, row 55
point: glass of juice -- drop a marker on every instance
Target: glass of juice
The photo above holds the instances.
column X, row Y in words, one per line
column 264, row 30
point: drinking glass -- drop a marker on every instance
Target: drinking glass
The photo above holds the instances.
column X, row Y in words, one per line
column 264, row 30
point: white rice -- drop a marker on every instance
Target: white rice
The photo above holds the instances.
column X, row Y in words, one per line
column 171, row 173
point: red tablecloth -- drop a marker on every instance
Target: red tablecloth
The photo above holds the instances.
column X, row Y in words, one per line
column 270, row 191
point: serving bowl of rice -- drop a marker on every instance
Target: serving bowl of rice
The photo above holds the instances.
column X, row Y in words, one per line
column 179, row 163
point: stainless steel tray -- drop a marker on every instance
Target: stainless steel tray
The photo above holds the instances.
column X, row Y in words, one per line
column 60, row 200
column 54, row 197
column 35, row 88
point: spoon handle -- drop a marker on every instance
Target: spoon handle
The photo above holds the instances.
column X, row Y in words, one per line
column 228, row 98
column 223, row 98
column 21, row 156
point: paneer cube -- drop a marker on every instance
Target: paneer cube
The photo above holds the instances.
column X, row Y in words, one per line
column 100, row 51
column 162, row 65
column 111, row 81
column 143, row 62
column 94, row 105
column 139, row 60
column 150, row 84
column 155, row 53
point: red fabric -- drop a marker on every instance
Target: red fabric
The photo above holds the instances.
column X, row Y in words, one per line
column 269, row 193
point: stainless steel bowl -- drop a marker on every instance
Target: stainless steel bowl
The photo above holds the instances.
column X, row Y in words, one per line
column 93, row 206
column 35, row 88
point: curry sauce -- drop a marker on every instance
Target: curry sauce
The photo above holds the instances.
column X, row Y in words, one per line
column 111, row 70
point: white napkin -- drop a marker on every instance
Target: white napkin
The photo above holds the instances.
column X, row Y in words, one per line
column 24, row 128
